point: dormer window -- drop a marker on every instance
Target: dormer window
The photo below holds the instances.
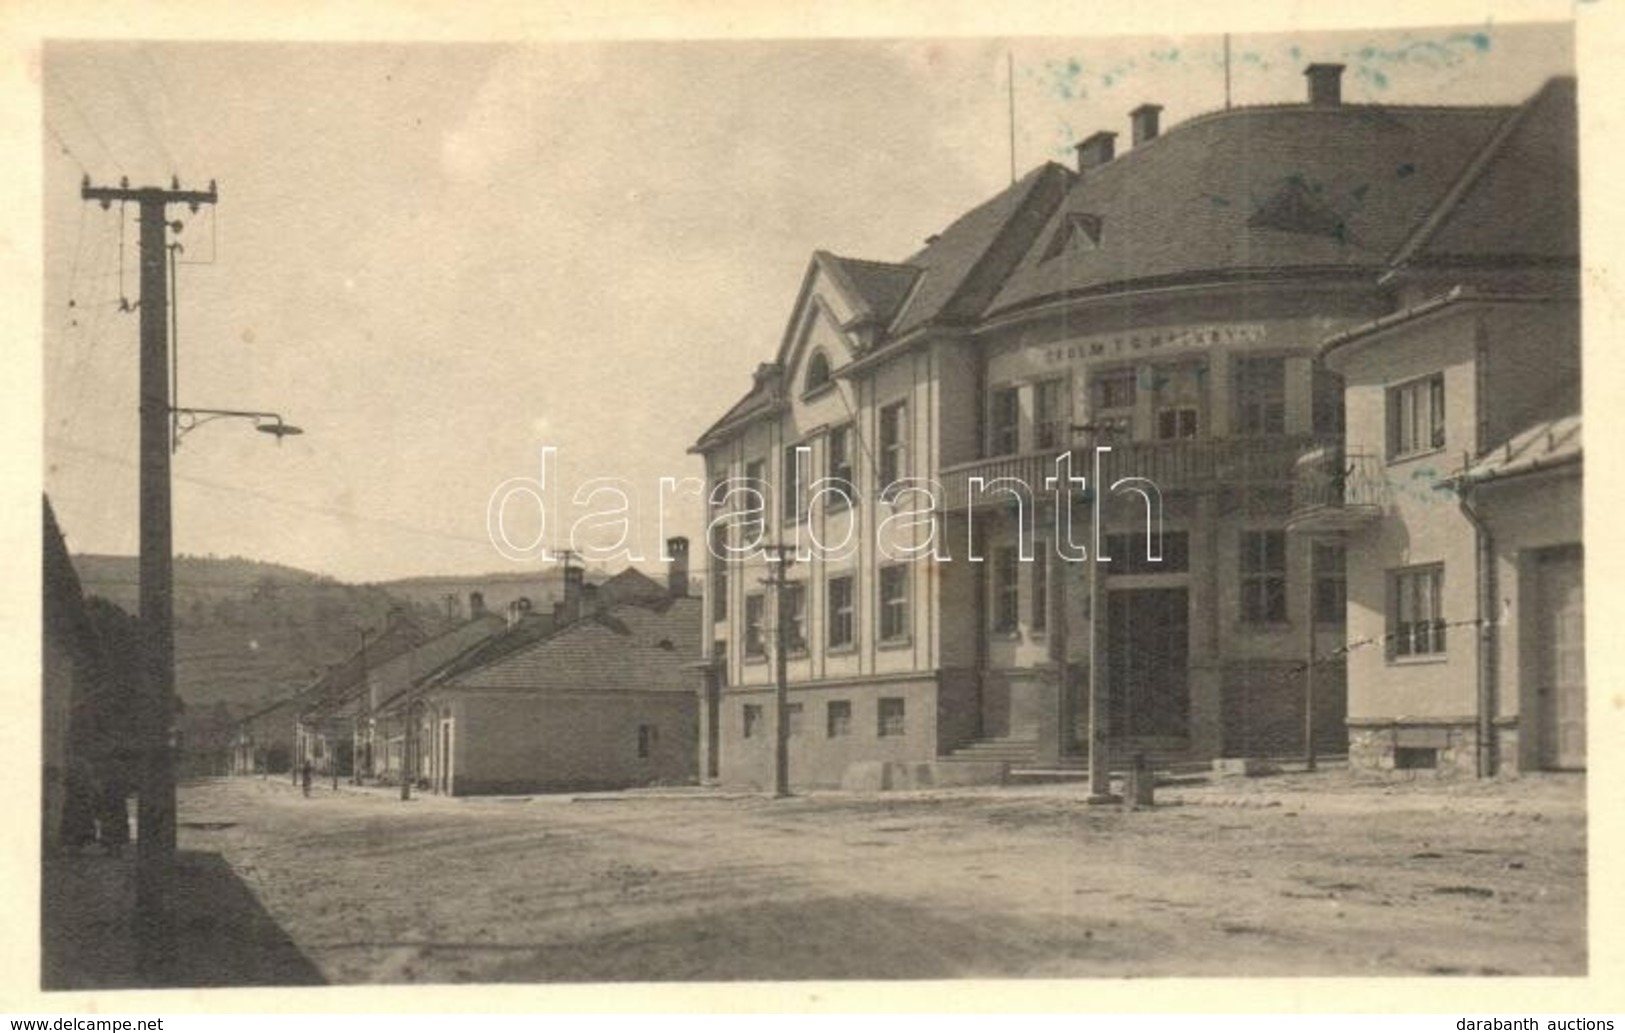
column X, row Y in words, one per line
column 817, row 373
column 1079, row 231
column 1296, row 207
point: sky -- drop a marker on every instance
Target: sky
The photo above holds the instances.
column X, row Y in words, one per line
column 437, row 259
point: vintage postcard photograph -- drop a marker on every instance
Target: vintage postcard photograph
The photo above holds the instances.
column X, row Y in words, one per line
column 792, row 509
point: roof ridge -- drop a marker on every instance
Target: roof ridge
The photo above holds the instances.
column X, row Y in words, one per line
column 1469, row 178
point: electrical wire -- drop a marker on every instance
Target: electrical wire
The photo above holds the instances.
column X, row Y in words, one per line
column 91, row 127
column 63, row 146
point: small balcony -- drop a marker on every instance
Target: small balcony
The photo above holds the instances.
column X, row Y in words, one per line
column 1173, row 466
column 1335, row 491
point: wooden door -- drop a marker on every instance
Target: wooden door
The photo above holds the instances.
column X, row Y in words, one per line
column 1560, row 637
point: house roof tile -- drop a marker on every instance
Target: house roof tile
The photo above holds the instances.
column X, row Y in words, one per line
column 1257, row 191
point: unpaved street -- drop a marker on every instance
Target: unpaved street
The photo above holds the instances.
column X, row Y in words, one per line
column 1294, row 875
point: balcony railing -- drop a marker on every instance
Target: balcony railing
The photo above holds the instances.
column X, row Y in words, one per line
column 1172, row 466
column 1336, row 490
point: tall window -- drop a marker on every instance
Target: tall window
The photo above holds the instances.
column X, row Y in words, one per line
column 794, row 490
column 1416, row 612
column 839, row 460
column 1006, row 589
column 1004, row 422
column 646, row 740
column 892, row 717
column 840, row 611
column 1050, row 414
column 894, row 602
column 719, row 577
column 795, row 618
column 1261, row 395
column 1040, row 599
column 753, row 720
column 1331, row 584
column 793, row 712
column 1114, row 390
column 1178, row 389
column 756, row 479
column 838, row 718
column 817, row 372
column 755, row 609
column 893, row 443
column 1263, row 577
column 1416, row 416
column 1327, row 399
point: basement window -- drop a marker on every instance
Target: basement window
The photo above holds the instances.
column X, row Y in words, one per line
column 1415, row 758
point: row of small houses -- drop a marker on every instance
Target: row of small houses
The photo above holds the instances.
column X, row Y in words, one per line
column 597, row 693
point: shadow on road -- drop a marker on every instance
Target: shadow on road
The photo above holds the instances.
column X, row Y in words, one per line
column 225, row 938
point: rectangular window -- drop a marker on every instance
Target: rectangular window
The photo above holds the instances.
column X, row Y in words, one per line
column 894, row 602
column 1040, row 599
column 646, row 740
column 793, row 716
column 756, row 478
column 1416, row 416
column 893, row 442
column 1114, row 390
column 1004, row 422
column 1263, row 577
column 840, row 612
column 753, row 720
column 1327, row 400
column 1050, row 414
column 892, row 720
column 755, row 612
column 795, row 491
column 838, row 719
column 1176, row 424
column 795, row 618
column 1331, row 584
column 1006, row 590
column 1261, row 395
column 719, row 577
column 840, row 463
column 1180, row 391
column 1416, row 612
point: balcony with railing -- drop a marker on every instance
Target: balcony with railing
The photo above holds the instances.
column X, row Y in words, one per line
column 1334, row 490
column 1173, row 466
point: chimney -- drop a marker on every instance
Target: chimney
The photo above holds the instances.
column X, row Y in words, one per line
column 572, row 593
column 518, row 610
column 1097, row 150
column 589, row 598
column 1325, row 85
column 1145, row 119
column 476, row 605
column 677, row 571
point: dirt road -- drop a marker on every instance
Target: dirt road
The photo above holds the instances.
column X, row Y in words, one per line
column 1296, row 875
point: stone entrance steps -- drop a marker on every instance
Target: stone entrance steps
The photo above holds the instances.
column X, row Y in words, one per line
column 1021, row 756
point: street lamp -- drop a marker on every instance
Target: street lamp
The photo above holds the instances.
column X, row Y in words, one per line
column 183, row 421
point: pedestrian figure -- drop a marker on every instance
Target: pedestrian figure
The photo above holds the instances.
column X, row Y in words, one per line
column 305, row 774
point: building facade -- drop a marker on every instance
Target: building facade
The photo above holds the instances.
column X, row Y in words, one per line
column 1160, row 312
column 1458, row 493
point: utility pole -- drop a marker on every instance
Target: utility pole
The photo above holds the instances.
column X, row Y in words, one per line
column 1100, row 785
column 155, row 845
column 1309, row 664
column 783, row 556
